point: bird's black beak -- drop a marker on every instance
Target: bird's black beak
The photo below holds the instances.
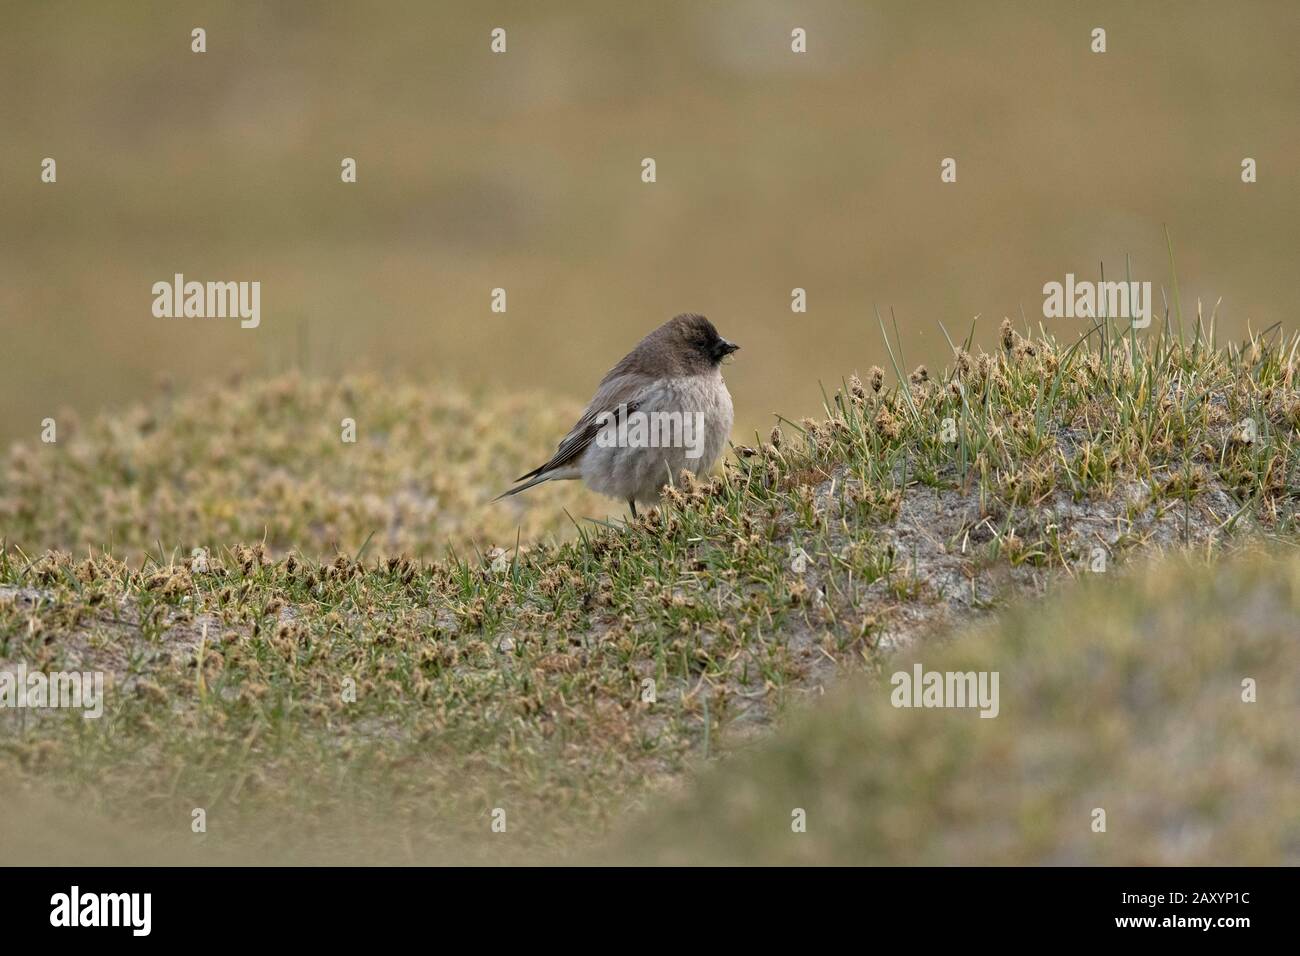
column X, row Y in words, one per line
column 723, row 348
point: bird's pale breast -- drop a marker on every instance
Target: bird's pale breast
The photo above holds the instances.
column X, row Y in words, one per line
column 624, row 471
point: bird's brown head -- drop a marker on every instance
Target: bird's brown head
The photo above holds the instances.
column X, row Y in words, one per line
column 695, row 341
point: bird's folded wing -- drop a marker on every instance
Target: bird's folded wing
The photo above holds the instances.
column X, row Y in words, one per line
column 614, row 392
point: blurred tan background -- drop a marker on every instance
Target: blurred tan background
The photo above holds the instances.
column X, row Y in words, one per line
column 523, row 171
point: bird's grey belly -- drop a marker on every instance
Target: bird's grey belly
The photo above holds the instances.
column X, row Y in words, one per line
column 690, row 440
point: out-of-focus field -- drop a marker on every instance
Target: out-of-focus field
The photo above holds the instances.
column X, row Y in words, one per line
column 522, row 171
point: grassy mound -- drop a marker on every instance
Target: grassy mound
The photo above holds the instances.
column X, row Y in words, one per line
column 1125, row 695
column 291, row 693
column 267, row 462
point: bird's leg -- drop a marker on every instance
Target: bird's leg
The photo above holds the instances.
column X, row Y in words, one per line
column 631, row 503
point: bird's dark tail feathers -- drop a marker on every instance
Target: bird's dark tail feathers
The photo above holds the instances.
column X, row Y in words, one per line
column 526, row 485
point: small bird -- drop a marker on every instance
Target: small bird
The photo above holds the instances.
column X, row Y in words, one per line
column 663, row 408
